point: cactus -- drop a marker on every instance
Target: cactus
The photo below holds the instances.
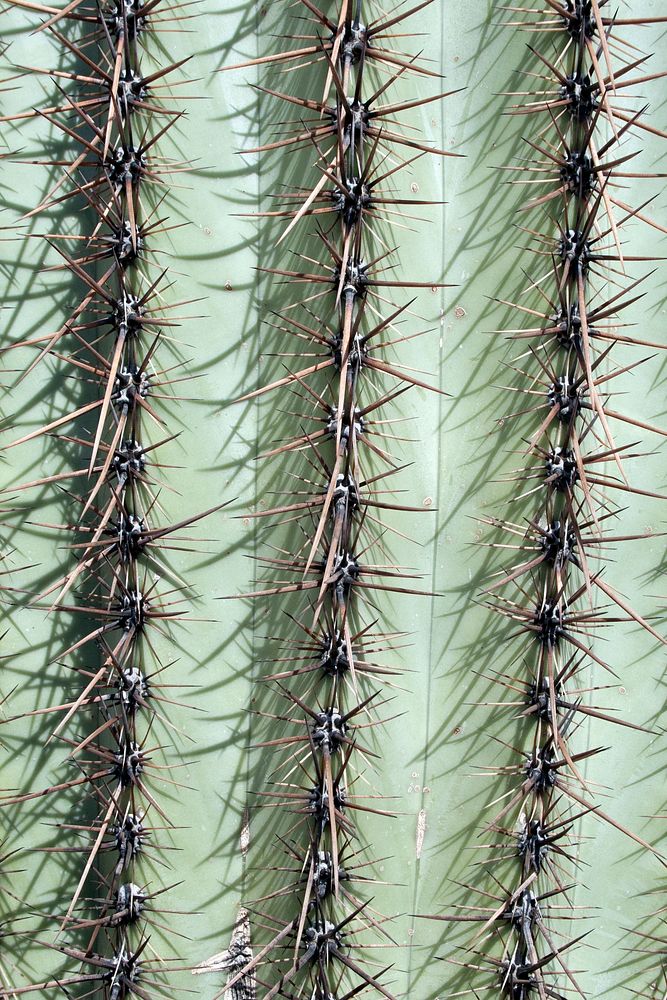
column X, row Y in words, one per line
column 217, row 848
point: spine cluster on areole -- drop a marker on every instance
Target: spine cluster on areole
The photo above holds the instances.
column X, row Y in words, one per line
column 572, row 330
column 337, row 334
column 112, row 115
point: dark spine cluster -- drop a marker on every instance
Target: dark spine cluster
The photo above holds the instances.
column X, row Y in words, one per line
column 338, row 330
column 554, row 592
column 111, row 114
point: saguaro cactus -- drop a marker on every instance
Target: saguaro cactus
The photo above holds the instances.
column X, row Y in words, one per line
column 366, row 282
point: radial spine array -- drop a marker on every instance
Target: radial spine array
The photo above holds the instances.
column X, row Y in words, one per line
column 555, row 594
column 338, row 330
column 111, row 115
